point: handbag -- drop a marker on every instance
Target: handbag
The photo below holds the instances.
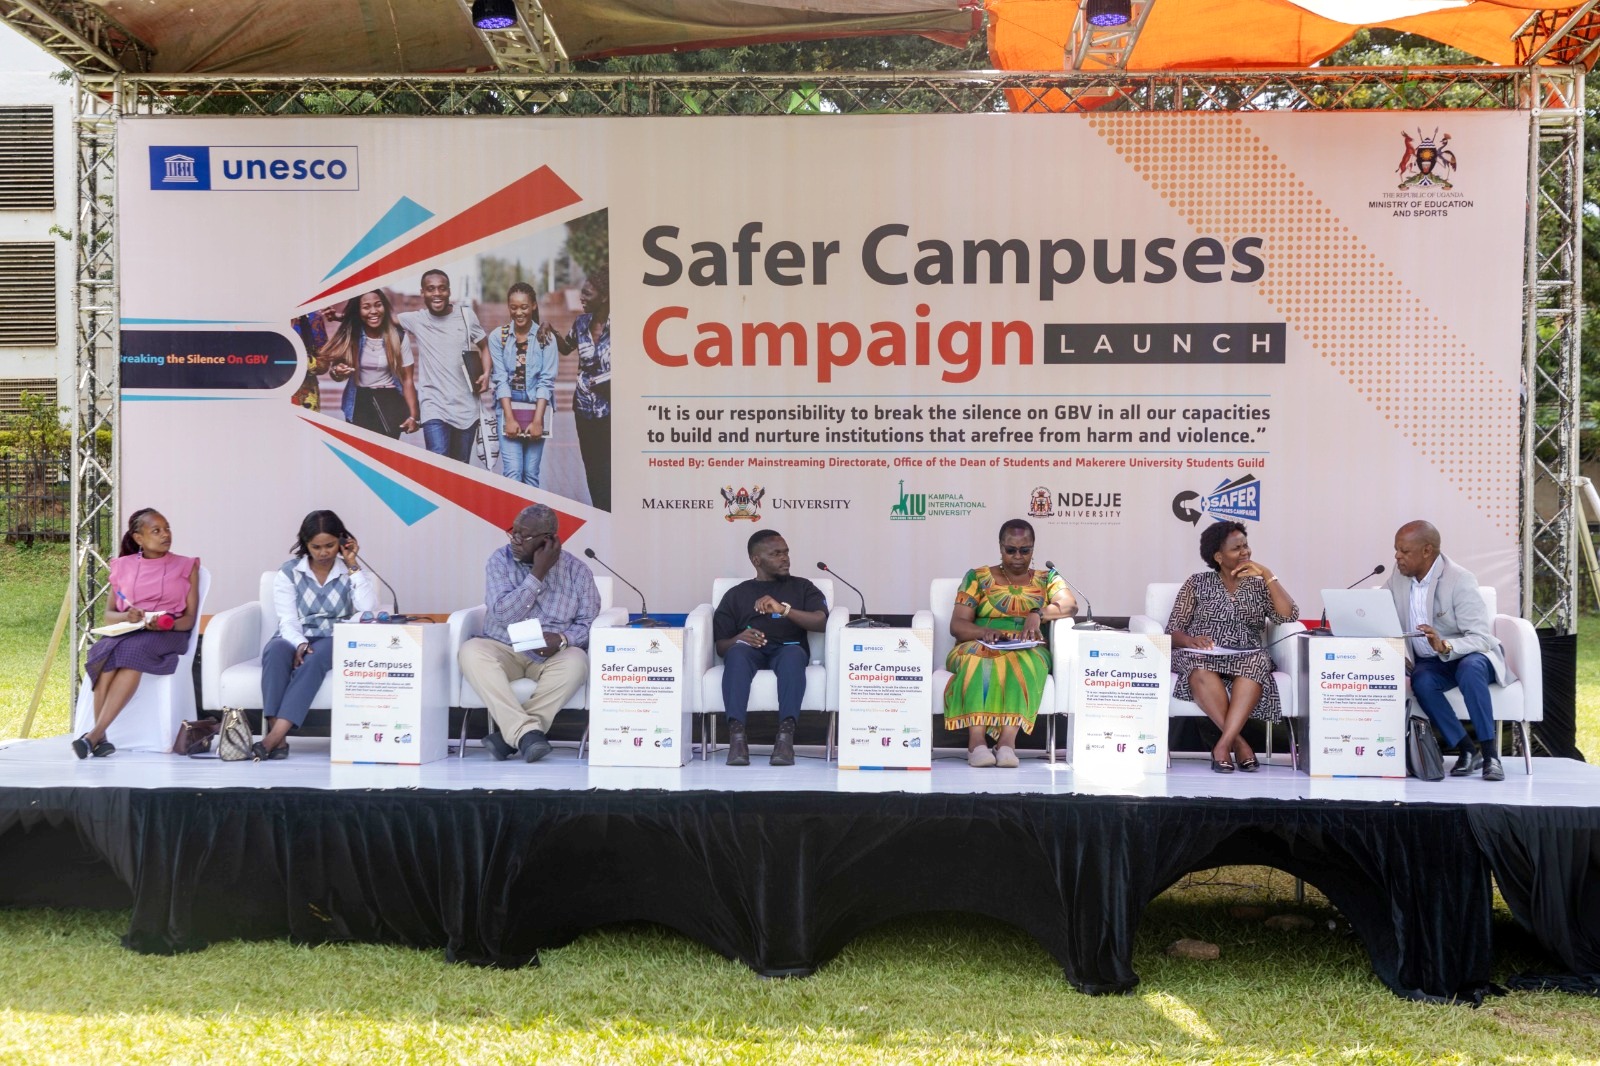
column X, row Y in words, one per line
column 194, row 738
column 1423, row 758
column 234, row 736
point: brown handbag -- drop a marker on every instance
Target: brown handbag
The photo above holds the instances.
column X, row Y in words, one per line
column 194, row 738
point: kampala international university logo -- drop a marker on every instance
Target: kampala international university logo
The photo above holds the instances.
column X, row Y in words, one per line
column 1425, row 161
column 911, row 507
column 1231, row 501
column 743, row 503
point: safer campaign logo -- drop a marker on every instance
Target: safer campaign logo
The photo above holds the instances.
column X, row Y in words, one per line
column 255, row 168
column 1238, row 500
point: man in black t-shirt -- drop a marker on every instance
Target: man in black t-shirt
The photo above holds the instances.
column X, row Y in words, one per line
column 761, row 624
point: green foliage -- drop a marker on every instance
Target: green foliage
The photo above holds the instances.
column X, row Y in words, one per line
column 588, row 242
column 37, row 433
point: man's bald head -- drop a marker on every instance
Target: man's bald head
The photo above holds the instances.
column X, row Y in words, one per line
column 1416, row 546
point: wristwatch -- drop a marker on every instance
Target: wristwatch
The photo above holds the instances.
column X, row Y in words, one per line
column 1449, row 648
column 564, row 643
column 786, row 610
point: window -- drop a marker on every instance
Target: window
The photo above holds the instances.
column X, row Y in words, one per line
column 11, row 390
column 27, row 159
column 28, row 294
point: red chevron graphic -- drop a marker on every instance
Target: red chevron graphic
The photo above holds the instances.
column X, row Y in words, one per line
column 495, row 506
column 536, row 193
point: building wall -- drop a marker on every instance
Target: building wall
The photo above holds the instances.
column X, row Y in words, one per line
column 28, row 78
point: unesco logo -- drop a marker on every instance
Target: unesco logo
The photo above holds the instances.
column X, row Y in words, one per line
column 255, row 168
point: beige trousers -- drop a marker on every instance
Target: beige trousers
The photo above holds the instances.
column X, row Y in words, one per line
column 491, row 666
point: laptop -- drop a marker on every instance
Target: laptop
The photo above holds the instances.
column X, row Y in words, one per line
column 1362, row 613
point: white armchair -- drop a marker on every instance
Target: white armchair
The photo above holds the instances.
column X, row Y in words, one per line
column 703, row 672
column 230, row 670
column 1288, row 658
column 1521, row 699
column 150, row 720
column 942, row 604
column 468, row 623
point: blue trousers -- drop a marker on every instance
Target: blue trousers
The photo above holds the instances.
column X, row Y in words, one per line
column 520, row 459
column 1432, row 678
column 441, row 438
column 739, row 668
column 287, row 690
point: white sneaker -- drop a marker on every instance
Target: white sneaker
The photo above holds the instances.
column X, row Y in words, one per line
column 1005, row 758
column 980, row 756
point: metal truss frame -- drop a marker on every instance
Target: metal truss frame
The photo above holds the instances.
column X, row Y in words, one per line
column 1551, row 96
column 78, row 33
column 530, row 46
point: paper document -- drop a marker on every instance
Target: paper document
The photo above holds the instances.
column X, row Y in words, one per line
column 116, row 629
column 1014, row 645
column 526, row 636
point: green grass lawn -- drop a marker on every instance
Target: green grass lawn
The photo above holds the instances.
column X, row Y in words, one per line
column 948, row 989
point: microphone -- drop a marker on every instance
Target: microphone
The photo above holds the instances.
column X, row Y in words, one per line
column 1088, row 622
column 394, row 597
column 865, row 621
column 644, row 621
column 1374, row 572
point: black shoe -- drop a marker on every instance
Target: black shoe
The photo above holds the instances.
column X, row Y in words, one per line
column 533, row 746
column 498, row 748
column 102, row 749
column 783, row 747
column 738, row 746
column 279, row 752
column 81, row 747
column 1467, row 762
column 259, row 752
column 1492, row 770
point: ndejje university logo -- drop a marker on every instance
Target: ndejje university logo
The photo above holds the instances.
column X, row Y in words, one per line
column 255, row 168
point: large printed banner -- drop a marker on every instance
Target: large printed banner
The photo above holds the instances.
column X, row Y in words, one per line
column 881, row 336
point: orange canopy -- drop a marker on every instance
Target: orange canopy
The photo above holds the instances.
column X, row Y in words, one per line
column 1235, row 34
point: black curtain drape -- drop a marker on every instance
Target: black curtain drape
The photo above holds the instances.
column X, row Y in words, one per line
column 783, row 881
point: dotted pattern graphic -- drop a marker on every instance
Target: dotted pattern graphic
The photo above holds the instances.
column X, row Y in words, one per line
column 1336, row 292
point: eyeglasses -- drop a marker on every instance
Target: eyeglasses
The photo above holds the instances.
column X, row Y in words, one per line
column 1011, row 549
column 526, row 538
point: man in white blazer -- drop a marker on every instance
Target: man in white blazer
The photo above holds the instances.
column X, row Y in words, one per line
column 1457, row 647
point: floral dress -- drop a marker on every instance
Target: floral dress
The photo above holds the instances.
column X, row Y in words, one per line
column 1204, row 609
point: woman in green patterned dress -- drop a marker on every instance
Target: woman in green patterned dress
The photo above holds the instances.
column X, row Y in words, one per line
column 993, row 691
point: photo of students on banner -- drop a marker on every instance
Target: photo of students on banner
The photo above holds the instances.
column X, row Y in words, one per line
column 477, row 364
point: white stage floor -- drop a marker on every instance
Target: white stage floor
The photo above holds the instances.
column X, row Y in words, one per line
column 49, row 763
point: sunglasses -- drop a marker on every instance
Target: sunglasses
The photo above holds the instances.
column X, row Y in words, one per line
column 1011, row 549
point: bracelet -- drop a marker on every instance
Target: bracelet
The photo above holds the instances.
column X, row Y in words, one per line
column 786, row 609
column 1271, row 579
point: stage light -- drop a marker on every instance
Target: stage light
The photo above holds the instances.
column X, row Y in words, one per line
column 1103, row 13
column 498, row 14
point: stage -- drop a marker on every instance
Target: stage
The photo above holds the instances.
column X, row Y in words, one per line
column 781, row 867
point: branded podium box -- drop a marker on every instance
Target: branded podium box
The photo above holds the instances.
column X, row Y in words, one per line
column 885, row 692
column 1121, row 685
column 1355, row 701
column 391, row 693
column 636, row 706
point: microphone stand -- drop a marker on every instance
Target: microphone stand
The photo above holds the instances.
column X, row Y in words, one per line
column 644, row 621
column 865, row 621
column 1088, row 625
column 1322, row 623
column 394, row 597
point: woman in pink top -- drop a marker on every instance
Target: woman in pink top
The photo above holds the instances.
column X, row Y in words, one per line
column 149, row 584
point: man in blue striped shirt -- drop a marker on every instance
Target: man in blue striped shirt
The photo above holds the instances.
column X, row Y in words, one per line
column 531, row 577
